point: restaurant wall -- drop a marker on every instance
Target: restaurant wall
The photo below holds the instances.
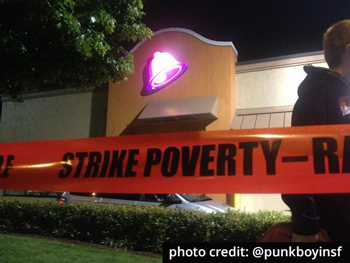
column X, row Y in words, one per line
column 268, row 84
column 54, row 115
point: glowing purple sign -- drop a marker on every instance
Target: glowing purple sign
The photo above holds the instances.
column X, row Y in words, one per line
column 164, row 69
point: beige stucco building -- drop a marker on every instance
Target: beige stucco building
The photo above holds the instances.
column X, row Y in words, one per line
column 257, row 94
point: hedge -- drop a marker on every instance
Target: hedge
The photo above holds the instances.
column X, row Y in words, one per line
column 133, row 227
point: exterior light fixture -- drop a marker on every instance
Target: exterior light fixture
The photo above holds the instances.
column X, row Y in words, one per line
column 163, row 70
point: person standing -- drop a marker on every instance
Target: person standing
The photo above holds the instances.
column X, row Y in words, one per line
column 324, row 98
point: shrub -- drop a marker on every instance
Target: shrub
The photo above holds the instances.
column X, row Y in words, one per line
column 133, row 227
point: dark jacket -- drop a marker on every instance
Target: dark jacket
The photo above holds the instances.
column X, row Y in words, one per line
column 320, row 96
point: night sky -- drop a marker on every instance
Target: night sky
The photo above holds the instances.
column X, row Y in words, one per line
column 258, row 28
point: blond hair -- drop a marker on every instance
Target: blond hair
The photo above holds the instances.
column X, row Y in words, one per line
column 335, row 40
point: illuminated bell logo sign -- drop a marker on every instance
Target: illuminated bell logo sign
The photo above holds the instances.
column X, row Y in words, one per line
column 164, row 69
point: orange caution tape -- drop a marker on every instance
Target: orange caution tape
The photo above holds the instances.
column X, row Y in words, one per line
column 284, row 160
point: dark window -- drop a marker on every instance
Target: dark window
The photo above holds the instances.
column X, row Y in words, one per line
column 14, row 192
column 84, row 194
column 31, row 193
column 133, row 197
column 155, row 197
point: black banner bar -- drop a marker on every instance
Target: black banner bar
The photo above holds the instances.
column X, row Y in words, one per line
column 238, row 252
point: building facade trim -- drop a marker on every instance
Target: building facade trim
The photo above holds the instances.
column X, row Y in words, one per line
column 281, row 62
column 192, row 33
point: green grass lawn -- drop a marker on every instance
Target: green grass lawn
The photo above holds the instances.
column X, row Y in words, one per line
column 19, row 249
